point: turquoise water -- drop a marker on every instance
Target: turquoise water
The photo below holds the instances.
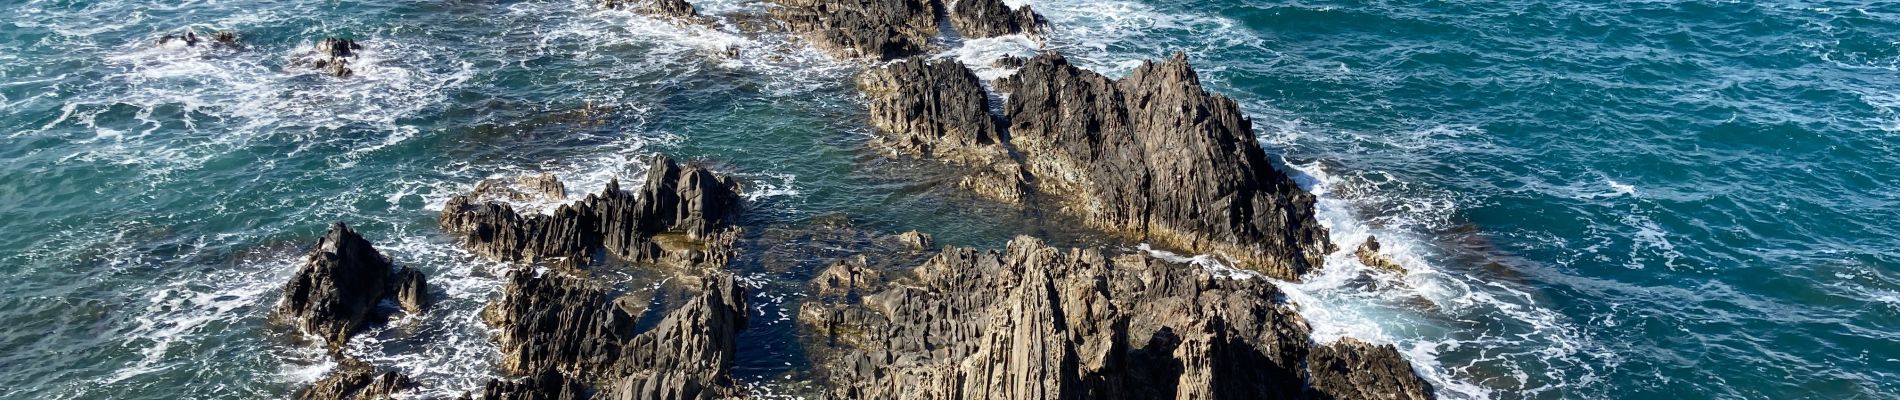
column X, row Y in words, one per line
column 1662, row 199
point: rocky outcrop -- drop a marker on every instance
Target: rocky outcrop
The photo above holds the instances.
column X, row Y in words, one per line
column 1352, row 369
column 356, row 380
column 564, row 331
column 1034, row 322
column 917, row 240
column 937, row 109
column 1368, row 254
column 678, row 10
column 547, row 385
column 876, row 29
column 1152, row 157
column 224, row 39
column 333, row 56
column 992, row 18
column 520, row 189
column 681, row 214
column 336, row 291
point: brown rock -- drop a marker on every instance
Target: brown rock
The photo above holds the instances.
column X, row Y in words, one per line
column 335, row 293
column 678, row 10
column 938, row 110
column 546, row 385
column 356, row 380
column 876, row 29
column 1351, row 369
column 917, row 240
column 527, row 188
column 992, row 18
column 1369, row 255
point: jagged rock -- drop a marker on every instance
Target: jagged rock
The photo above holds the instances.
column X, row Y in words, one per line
column 680, row 214
column 1158, row 158
column 333, row 56
column 1369, row 255
column 225, row 39
column 938, row 110
column 1036, row 322
column 878, row 29
column 917, row 240
column 558, row 322
column 1009, row 62
column 1351, row 369
column 675, row 9
column 546, row 385
column 335, row 293
column 850, row 275
column 562, row 325
column 526, row 188
column 992, row 18
column 356, row 380
column 691, row 353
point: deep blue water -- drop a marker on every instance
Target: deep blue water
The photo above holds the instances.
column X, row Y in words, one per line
column 1657, row 199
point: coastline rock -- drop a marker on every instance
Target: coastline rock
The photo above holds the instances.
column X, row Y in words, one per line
column 543, row 386
column 333, row 56
column 917, row 240
column 225, row 39
column 1368, row 254
column 355, row 380
column 680, row 214
column 1034, row 322
column 1156, row 157
column 937, row 109
column 560, row 328
column 525, row 189
column 875, row 29
column 678, row 10
column 992, row 18
column 1352, row 369
column 336, row 291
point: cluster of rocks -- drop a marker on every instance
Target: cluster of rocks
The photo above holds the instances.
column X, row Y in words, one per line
column 224, row 39
column 335, row 294
column 677, row 10
column 1152, row 156
column 891, row 29
column 681, row 214
column 333, row 56
column 1034, row 322
column 1368, row 254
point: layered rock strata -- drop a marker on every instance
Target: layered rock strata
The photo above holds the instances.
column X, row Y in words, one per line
column 356, row 380
column 992, row 18
column 571, row 337
column 335, row 293
column 1151, row 156
column 1034, row 322
column 1352, row 369
column 876, row 29
column 681, row 214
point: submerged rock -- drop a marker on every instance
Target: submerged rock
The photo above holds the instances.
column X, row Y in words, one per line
column 1368, row 254
column 565, row 332
column 678, row 10
column 992, row 18
column 917, row 240
column 1152, row 157
column 681, row 214
column 356, row 380
column 224, row 39
column 333, row 56
column 1034, row 322
column 1352, row 369
column 876, row 29
column 336, row 291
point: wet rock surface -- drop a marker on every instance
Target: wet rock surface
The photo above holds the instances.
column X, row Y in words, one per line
column 1352, row 369
column 875, row 29
column 333, row 56
column 680, row 214
column 1368, row 254
column 356, row 380
column 1037, row 322
column 520, row 189
column 221, row 39
column 992, row 18
column 335, row 293
column 677, row 10
column 1152, row 157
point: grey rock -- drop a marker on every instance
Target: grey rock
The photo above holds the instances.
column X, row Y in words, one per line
column 334, row 294
column 334, row 55
column 1368, row 254
column 547, row 385
column 937, row 109
column 992, row 18
column 917, row 240
column 1351, row 369
column 220, row 39
column 526, row 188
column 678, row 10
column 875, row 29
column 355, row 380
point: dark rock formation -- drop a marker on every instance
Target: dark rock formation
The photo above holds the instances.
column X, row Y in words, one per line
column 356, row 380
column 333, row 56
column 878, row 29
column 526, row 188
column 678, row 10
column 992, row 18
column 680, row 214
column 1153, row 156
column 562, row 329
column 224, row 39
column 336, row 291
column 939, row 110
column 1351, row 369
column 547, row 385
column 1037, row 323
column 1369, row 255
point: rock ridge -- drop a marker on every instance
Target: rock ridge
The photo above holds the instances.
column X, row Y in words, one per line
column 336, row 292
